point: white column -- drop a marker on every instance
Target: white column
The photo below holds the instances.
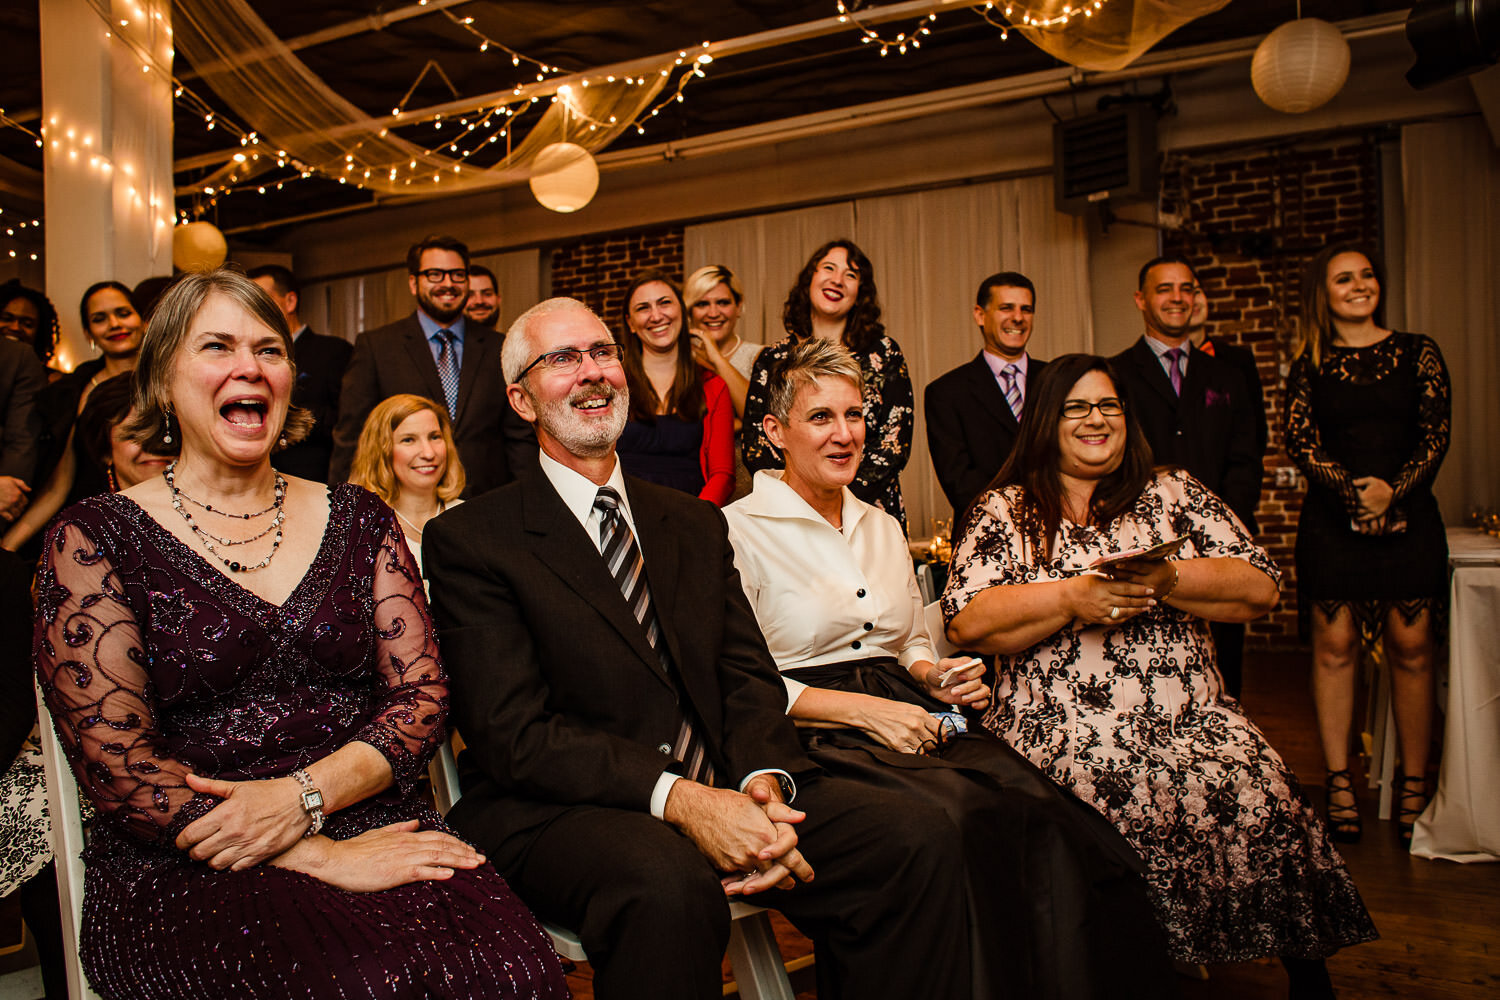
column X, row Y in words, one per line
column 107, row 118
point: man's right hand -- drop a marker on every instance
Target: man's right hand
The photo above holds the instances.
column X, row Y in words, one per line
column 13, row 497
column 754, row 842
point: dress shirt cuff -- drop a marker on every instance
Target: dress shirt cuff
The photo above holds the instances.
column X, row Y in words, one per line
column 916, row 654
column 661, row 791
column 794, row 691
column 788, row 786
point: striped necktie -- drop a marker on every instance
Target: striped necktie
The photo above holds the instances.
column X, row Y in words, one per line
column 1011, row 376
column 1174, row 372
column 447, row 366
column 623, row 558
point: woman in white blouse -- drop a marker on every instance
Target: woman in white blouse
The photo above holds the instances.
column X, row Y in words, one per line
column 1056, row 899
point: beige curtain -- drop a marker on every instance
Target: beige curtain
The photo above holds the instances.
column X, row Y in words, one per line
column 930, row 250
column 346, row 306
column 1451, row 176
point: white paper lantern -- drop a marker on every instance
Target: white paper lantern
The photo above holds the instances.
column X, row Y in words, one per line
column 1300, row 66
column 564, row 177
column 198, row 246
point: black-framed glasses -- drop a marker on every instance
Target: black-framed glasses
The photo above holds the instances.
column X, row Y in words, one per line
column 458, row 275
column 1079, row 409
column 567, row 360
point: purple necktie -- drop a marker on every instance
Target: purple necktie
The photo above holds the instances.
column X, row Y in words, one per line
column 1174, row 372
column 1011, row 376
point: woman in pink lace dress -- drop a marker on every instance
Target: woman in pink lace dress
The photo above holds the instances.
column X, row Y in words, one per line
column 244, row 677
column 1106, row 680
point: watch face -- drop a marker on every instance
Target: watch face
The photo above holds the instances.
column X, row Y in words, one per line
column 312, row 800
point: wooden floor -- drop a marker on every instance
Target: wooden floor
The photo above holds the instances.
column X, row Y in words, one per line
column 1439, row 921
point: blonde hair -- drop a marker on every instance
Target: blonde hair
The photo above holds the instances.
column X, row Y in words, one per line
column 372, row 467
column 167, row 330
column 704, row 280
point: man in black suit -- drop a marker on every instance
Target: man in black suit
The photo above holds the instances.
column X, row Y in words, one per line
column 434, row 353
column 1195, row 410
column 21, row 378
column 974, row 411
column 320, row 372
column 589, row 719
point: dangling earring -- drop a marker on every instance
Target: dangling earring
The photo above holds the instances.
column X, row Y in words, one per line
column 166, row 437
column 114, row 484
column 281, row 441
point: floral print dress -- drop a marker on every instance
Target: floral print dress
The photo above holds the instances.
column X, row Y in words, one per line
column 1133, row 718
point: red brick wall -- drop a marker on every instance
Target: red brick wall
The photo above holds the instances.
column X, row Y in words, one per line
column 598, row 269
column 1252, row 218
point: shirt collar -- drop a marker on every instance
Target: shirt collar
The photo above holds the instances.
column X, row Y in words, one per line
column 1160, row 348
column 430, row 326
column 772, row 497
column 997, row 363
column 297, row 333
column 578, row 491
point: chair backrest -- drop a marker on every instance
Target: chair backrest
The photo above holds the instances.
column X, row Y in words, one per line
column 67, row 847
column 937, row 629
column 443, row 772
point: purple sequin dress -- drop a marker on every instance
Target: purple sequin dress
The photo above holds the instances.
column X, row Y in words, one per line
column 155, row 663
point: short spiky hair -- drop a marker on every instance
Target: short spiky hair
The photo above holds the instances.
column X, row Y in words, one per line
column 165, row 335
column 414, row 255
column 803, row 366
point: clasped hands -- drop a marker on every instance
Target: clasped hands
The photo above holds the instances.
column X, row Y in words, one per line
column 1375, row 496
column 263, row 822
column 1121, row 592
column 749, row 836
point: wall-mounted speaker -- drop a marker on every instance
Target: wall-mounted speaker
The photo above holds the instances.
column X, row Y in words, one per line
column 1452, row 38
column 1109, row 155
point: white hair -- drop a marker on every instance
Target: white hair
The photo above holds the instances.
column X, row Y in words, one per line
column 519, row 347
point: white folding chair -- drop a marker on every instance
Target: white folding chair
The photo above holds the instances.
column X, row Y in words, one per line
column 753, row 953
column 67, row 847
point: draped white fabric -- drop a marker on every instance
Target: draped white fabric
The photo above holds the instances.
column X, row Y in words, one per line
column 930, row 250
column 1451, row 174
column 346, row 306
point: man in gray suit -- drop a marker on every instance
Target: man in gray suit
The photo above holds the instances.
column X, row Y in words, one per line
column 435, row 353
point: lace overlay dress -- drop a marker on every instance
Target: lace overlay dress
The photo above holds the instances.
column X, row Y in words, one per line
column 1134, row 720
column 155, row 664
column 1382, row 410
column 890, row 413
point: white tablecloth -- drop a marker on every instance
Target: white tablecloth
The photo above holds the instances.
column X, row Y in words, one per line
column 1462, row 823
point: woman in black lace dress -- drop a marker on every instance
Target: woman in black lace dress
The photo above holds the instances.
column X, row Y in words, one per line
column 835, row 299
column 1367, row 422
column 245, row 679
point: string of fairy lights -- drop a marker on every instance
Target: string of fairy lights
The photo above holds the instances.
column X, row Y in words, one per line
column 458, row 137
column 23, row 234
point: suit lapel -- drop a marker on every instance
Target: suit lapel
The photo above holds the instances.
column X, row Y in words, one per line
column 420, row 355
column 988, row 392
column 562, row 545
column 1152, row 373
column 478, row 343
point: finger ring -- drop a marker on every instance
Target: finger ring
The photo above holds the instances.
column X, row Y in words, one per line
column 1114, row 613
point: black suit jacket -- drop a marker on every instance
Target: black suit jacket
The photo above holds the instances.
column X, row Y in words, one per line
column 1209, row 430
column 970, row 428
column 22, row 377
column 320, row 374
column 555, row 688
column 1242, row 360
column 492, row 441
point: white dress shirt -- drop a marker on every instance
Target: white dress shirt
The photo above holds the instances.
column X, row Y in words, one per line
column 578, row 492
column 825, row 595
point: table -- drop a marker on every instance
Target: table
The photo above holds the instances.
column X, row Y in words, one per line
column 1462, row 823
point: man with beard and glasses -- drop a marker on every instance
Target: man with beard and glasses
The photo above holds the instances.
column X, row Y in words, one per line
column 435, row 353
column 630, row 766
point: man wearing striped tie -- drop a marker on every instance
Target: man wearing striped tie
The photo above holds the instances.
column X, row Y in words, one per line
column 630, row 766
column 435, row 353
column 974, row 411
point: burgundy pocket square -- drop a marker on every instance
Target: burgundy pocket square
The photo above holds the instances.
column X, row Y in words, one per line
column 1213, row 397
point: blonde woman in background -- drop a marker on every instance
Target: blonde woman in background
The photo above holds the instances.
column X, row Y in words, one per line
column 407, row 458
column 715, row 302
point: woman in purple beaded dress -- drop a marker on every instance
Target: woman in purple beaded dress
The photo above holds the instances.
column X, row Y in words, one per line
column 244, row 676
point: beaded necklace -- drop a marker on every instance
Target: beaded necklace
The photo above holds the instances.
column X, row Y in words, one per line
column 208, row 540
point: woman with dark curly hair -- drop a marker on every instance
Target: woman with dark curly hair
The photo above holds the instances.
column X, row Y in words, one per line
column 1367, row 422
column 835, row 299
column 28, row 316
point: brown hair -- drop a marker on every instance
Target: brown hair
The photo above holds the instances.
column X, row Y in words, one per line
column 170, row 323
column 1316, row 330
column 685, row 399
column 862, row 325
column 371, row 467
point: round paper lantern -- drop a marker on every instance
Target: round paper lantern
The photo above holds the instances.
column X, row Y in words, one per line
column 564, row 177
column 1300, row 66
column 198, row 246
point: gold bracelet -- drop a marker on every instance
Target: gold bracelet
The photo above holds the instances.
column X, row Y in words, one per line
column 1175, row 577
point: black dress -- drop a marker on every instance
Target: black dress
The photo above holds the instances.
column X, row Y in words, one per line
column 1381, row 410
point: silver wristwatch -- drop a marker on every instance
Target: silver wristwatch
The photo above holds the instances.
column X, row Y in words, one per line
column 312, row 801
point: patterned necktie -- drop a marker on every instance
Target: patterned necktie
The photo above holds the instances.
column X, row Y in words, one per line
column 623, row 559
column 447, row 367
column 1174, row 372
column 1011, row 376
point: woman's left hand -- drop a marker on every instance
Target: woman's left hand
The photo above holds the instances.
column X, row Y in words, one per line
column 1374, row 496
column 966, row 688
column 705, row 351
column 1158, row 574
column 257, row 820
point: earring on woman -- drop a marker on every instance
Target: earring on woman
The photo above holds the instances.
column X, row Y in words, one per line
column 109, row 472
column 281, row 441
column 166, row 436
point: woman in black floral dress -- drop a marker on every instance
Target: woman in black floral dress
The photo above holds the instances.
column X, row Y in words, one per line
column 835, row 298
column 1105, row 678
column 1367, row 422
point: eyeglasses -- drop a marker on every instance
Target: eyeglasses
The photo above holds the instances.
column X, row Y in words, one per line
column 1079, row 409
column 566, row 361
column 433, row 275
